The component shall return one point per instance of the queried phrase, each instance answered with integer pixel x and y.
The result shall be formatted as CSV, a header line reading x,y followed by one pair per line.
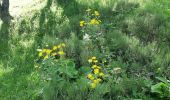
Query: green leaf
x,y
161,89
162,79
157,88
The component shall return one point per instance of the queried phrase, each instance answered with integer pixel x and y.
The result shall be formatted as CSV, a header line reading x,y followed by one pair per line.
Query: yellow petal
x,y
101,74
93,21
46,57
89,75
93,58
55,48
81,25
61,52
95,61
54,54
94,66
59,46
99,80
90,60
82,22
96,81
44,50
96,71
91,78
93,85
48,51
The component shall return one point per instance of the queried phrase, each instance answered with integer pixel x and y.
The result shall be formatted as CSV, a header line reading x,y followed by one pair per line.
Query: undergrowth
x,y
87,50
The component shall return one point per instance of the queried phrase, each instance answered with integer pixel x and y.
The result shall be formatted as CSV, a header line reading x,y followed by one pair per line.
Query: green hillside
x,y
85,50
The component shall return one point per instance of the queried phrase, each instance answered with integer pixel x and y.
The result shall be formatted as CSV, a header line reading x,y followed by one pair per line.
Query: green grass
x,y
18,78
137,35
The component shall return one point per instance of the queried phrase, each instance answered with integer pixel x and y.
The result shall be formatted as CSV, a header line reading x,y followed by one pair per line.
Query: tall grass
x,y
136,36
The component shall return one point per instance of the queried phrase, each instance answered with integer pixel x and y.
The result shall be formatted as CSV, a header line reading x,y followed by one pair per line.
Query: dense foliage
x,y
88,50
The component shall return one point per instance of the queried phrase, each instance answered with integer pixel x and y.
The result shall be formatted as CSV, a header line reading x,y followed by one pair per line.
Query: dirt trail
x,y
20,7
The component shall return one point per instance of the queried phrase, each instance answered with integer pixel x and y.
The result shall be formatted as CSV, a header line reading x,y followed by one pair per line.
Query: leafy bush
x,y
162,89
115,61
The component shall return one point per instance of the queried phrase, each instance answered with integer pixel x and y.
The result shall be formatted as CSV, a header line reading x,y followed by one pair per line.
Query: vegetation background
x,y
135,37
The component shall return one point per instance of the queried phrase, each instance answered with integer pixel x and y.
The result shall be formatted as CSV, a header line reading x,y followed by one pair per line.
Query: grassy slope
x,y
18,78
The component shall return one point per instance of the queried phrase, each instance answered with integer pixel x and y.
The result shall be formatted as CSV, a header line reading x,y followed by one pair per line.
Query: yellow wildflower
x,y
90,76
44,50
59,46
93,85
82,23
46,57
96,13
55,48
94,66
95,61
90,60
96,71
99,80
94,22
54,54
101,74
96,81
61,52
48,51
98,67
93,58
97,22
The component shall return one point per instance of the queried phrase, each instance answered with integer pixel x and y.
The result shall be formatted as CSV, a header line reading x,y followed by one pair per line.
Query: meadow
x,y
87,50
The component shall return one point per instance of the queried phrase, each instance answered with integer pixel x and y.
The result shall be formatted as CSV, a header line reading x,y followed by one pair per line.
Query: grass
x,y
17,69
51,24
18,78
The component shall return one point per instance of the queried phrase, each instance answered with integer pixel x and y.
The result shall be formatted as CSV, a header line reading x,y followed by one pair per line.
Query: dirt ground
x,y
19,7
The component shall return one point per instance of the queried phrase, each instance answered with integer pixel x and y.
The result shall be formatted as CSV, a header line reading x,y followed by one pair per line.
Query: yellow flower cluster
x,y
55,51
82,23
97,75
93,60
93,21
